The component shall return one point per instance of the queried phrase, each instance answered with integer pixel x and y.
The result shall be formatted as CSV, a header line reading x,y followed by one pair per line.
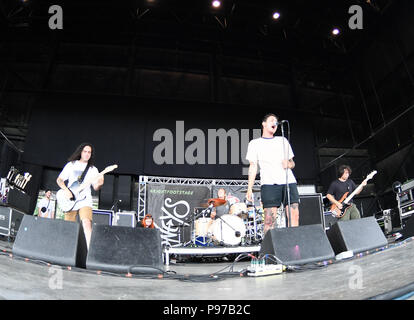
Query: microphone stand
x,y
287,172
235,231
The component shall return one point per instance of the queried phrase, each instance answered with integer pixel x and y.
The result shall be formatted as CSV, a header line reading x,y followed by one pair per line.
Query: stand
x,y
287,184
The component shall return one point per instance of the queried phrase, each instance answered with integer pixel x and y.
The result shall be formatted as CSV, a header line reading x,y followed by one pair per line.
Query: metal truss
x,y
145,180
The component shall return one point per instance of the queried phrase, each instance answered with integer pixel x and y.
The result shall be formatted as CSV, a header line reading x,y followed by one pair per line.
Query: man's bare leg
x,y
294,214
270,219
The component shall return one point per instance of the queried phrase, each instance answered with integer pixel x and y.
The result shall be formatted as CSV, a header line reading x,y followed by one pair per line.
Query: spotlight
x,y
335,31
216,3
276,15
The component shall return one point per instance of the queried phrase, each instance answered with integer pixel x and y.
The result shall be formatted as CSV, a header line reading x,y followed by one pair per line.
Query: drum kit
x,y
242,225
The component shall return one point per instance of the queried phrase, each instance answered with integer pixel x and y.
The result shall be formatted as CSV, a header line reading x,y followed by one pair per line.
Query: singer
x,y
80,167
274,156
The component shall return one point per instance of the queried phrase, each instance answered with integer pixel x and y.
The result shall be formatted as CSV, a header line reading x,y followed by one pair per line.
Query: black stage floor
x,y
375,275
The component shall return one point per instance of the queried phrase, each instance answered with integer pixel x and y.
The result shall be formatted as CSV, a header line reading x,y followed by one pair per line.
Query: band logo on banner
x,y
172,207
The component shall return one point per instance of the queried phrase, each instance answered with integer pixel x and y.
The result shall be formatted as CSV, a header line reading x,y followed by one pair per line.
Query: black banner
x,y
172,207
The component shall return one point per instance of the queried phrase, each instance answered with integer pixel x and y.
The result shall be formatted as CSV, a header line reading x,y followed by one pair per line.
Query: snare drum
x,y
230,231
201,226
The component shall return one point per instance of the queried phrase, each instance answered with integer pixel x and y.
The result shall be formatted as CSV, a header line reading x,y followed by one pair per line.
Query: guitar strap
x,y
82,177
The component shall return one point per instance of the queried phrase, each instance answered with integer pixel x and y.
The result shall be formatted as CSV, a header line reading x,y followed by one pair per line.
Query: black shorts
x,y
273,195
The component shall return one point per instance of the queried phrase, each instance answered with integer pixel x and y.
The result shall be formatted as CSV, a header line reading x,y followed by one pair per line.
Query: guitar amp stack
x,y
406,200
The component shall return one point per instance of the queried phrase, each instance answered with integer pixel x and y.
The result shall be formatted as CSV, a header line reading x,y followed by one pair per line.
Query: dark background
x,y
119,70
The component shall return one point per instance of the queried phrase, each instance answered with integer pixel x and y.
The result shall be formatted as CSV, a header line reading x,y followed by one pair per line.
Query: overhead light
x,y
216,3
276,15
336,31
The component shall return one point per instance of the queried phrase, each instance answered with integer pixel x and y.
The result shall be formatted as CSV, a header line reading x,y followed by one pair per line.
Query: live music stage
x,y
383,274
206,150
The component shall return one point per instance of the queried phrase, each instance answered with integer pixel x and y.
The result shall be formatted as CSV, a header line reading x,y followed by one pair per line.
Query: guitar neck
x,y
354,192
89,181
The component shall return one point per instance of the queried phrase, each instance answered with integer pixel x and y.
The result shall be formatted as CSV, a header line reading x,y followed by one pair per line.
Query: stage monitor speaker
x,y
54,241
408,230
297,245
357,235
311,210
122,249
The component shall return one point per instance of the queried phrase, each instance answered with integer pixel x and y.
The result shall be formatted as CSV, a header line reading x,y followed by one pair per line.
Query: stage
x,y
376,275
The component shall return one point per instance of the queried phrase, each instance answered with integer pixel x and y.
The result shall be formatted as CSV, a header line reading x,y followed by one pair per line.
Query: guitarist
x,y
339,187
80,167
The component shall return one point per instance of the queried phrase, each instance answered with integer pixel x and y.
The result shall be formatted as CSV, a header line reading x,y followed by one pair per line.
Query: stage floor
x,y
355,279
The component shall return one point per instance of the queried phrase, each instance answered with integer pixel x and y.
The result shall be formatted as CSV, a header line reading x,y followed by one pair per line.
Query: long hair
x,y
143,221
77,154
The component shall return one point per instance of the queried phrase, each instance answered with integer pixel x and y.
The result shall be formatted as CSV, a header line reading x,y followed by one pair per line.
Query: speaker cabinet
x,y
106,194
357,235
102,216
122,249
55,241
408,229
298,245
311,210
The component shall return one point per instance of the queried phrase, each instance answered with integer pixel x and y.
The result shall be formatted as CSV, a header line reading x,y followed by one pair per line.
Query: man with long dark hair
x,y
274,156
80,167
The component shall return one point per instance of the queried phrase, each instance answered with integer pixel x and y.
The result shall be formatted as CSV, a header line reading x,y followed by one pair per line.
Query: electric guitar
x,y
67,204
339,213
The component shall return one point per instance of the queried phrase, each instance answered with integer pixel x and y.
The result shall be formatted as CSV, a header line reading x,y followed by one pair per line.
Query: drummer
x,y
224,209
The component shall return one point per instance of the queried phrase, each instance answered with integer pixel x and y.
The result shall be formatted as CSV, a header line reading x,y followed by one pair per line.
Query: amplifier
x,y
407,209
102,217
17,199
405,196
125,218
408,185
10,220
311,209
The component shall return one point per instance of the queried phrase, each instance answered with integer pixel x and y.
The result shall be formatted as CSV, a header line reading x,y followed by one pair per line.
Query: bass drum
x,y
230,231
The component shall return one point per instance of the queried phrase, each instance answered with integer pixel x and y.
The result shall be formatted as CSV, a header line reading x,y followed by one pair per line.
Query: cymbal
x,y
216,202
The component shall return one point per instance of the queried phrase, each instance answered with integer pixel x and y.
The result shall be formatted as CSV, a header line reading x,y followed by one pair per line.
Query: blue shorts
x,y
273,195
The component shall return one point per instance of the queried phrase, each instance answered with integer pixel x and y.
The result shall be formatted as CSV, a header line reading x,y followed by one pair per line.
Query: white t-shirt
x,y
48,204
268,153
72,171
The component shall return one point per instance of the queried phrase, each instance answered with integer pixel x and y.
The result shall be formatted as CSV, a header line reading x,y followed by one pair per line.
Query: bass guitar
x,y
76,189
339,213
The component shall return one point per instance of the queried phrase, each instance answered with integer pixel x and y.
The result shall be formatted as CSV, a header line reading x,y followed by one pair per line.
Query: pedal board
x,y
265,270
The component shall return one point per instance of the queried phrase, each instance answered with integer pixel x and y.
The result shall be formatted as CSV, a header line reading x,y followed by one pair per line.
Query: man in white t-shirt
x,y
45,207
72,172
274,156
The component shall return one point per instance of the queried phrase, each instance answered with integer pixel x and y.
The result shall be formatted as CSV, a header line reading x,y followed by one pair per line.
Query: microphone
x,y
116,203
280,122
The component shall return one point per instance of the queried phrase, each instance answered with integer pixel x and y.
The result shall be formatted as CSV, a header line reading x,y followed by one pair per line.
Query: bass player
x,y
339,187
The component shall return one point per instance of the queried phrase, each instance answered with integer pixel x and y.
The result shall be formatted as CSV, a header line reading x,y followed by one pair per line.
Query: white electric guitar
x,y
67,204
